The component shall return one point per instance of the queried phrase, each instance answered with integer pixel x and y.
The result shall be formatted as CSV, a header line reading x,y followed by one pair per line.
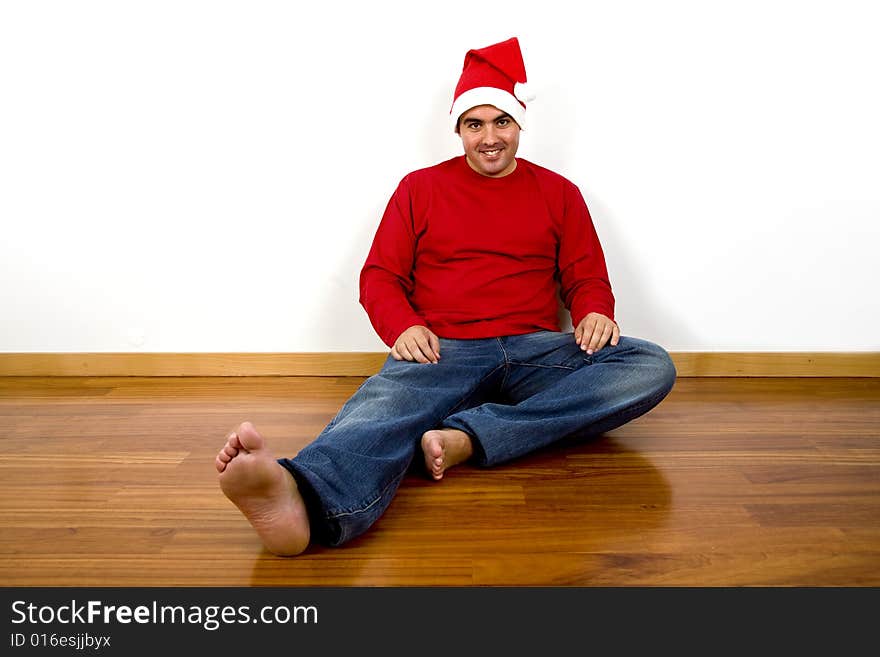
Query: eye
x,y
474,125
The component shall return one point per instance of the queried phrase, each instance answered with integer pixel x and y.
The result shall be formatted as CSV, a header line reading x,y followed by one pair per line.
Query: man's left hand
x,y
594,332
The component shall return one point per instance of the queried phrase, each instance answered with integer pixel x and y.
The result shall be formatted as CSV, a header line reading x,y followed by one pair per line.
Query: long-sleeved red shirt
x,y
471,256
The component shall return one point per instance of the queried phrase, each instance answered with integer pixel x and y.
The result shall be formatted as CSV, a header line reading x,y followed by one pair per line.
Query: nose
x,y
489,134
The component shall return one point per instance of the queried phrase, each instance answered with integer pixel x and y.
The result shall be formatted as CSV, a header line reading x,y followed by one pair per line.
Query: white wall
x,y
207,176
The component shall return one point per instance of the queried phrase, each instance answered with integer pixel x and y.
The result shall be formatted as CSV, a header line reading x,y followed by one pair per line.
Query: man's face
x,y
490,138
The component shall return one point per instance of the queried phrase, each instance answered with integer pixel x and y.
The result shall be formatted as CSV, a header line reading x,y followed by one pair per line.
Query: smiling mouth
x,y
491,153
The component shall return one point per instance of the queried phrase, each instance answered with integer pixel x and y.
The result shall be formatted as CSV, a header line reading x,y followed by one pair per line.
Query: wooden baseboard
x,y
775,363
733,364
191,364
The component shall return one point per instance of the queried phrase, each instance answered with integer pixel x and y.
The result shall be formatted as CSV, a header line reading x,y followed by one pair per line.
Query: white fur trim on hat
x,y
524,92
487,96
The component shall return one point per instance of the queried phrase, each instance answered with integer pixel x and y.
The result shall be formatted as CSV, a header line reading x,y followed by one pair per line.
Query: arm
x,y
386,283
585,288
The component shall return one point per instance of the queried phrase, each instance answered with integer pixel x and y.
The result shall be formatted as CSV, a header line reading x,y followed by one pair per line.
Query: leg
x,y
349,475
559,391
263,492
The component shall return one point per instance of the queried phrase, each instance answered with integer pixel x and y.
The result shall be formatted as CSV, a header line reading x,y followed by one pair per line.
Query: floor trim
x,y
763,364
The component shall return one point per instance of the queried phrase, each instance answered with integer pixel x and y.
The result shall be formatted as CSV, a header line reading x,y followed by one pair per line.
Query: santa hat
x,y
494,75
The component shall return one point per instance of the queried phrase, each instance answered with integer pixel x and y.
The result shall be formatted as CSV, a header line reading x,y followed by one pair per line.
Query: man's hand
x,y
417,343
594,331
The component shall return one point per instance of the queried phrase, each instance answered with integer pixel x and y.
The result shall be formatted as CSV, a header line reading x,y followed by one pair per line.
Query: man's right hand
x,y
417,343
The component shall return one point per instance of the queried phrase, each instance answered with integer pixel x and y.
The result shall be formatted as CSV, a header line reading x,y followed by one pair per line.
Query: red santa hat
x,y
494,75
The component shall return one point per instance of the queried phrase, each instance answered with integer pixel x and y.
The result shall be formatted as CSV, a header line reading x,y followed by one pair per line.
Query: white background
x,y
207,176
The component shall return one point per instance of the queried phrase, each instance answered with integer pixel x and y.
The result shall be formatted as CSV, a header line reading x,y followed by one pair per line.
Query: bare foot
x,y
444,448
263,491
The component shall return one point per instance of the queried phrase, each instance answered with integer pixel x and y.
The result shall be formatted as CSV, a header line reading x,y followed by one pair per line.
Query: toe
x,y
248,437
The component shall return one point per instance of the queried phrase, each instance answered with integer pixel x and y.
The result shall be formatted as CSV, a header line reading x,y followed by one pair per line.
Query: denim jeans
x,y
512,395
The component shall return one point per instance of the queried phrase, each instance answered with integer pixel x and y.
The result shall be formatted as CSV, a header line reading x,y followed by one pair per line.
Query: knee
x,y
660,369
666,373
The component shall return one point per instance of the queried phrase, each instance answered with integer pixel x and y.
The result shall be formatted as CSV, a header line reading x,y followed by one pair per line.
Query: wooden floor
x,y
110,482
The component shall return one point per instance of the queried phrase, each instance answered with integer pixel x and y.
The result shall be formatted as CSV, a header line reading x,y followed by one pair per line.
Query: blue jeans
x,y
512,395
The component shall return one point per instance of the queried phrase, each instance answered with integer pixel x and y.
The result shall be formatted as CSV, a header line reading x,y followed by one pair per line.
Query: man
x,y
462,282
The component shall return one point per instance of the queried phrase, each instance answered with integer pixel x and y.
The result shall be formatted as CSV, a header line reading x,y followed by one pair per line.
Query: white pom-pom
x,y
523,92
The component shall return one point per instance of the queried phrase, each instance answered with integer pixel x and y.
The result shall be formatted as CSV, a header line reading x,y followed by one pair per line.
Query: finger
x,y
615,336
395,354
588,328
405,352
578,332
425,350
434,341
415,351
595,337
603,339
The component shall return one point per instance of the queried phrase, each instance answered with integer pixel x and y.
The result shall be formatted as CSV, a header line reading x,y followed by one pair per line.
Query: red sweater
x,y
470,256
